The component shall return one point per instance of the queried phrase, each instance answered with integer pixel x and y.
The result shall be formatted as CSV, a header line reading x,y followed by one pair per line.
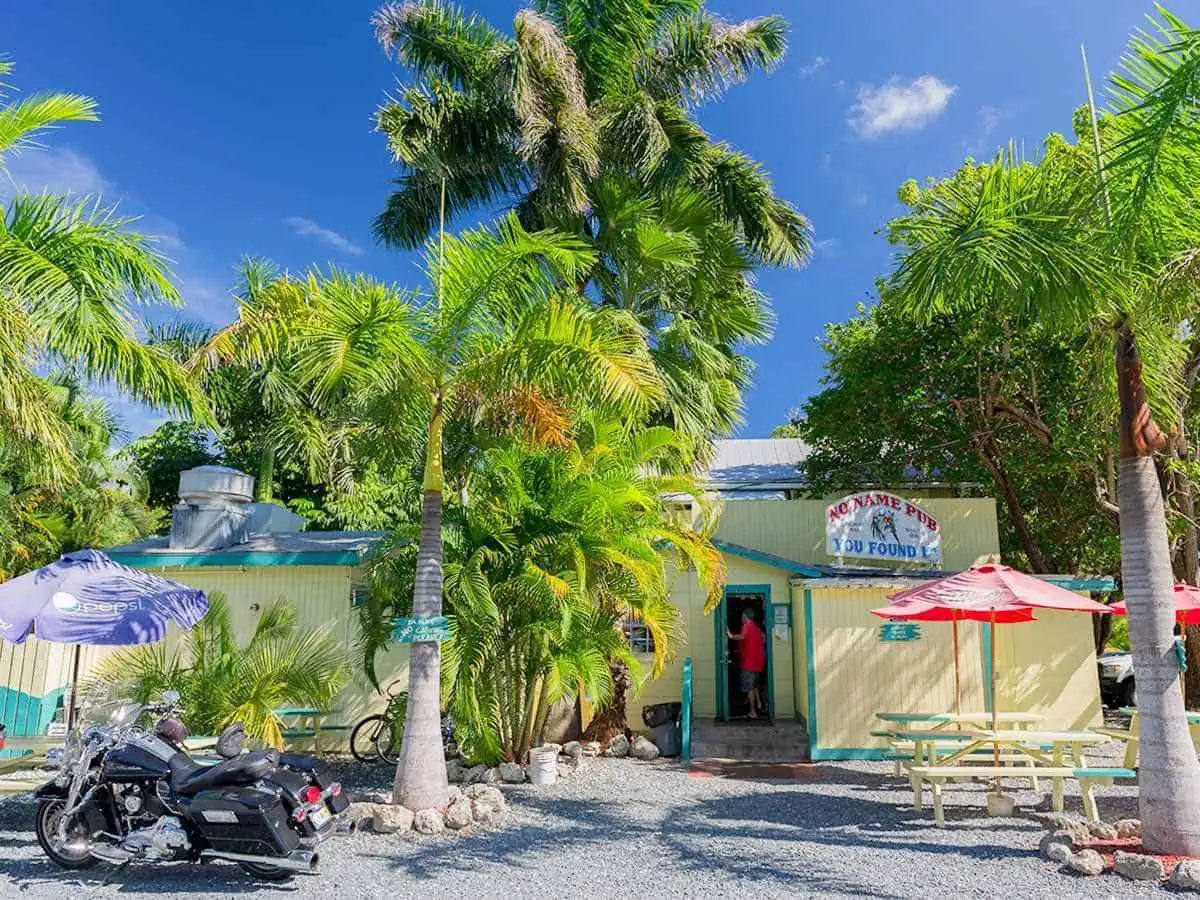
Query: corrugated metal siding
x,y
857,675
795,529
1049,667
35,680
321,595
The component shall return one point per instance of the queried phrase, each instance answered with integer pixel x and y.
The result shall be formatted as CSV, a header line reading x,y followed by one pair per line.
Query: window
x,y
639,636
358,595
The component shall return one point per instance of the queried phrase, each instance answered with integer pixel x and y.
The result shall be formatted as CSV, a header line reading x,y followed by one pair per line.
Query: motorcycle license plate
x,y
320,817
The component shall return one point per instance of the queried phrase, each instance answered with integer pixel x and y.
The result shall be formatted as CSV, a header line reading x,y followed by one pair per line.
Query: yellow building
x,y
828,669
798,564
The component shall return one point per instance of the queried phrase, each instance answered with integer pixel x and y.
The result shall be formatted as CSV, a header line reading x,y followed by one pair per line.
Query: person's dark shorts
x,y
748,681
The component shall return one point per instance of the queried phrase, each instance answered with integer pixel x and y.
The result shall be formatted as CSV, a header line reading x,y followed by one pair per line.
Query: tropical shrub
x,y
221,681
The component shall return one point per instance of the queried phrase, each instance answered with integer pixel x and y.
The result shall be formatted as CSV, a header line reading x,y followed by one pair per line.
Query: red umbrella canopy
x,y
1187,605
984,592
919,611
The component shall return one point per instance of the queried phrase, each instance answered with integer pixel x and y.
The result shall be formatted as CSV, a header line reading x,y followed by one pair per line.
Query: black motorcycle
x,y
125,793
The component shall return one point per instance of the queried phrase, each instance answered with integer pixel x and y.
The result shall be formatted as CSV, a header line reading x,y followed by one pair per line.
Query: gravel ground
x,y
624,828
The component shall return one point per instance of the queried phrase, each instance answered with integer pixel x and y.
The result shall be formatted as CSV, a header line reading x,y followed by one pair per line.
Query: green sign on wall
x,y
900,631
412,631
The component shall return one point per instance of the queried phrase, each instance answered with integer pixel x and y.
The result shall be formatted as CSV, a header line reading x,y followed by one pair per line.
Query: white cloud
x,y
826,246
811,68
988,120
308,228
59,171
859,198
896,107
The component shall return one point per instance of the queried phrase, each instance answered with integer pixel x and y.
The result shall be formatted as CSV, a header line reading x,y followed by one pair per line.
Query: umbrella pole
x,y
995,719
74,689
957,688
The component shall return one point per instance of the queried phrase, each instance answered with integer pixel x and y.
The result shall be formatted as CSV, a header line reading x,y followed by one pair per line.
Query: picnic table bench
x,y
1044,755
1132,739
301,722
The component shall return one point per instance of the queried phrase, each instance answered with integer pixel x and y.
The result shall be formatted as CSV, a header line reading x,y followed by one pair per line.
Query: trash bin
x,y
663,720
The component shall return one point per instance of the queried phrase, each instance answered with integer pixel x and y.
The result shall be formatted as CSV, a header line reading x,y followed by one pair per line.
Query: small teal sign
x,y
900,631
415,631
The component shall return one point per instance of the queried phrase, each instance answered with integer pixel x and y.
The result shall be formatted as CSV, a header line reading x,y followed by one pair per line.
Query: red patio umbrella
x,y
989,593
1187,605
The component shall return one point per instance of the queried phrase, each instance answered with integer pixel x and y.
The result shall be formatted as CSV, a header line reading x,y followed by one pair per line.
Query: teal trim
x,y
847,753
237,558
721,662
686,712
768,559
722,623
1074,583
812,676
1105,773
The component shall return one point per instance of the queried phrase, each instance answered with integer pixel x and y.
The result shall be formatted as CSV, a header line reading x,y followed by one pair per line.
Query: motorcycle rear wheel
x,y
77,852
267,873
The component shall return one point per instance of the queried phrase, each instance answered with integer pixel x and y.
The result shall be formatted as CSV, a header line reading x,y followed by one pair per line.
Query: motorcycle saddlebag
x,y
243,820
317,771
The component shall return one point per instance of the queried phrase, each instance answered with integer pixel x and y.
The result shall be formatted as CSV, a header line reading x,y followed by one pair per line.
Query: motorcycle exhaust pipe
x,y
345,827
302,861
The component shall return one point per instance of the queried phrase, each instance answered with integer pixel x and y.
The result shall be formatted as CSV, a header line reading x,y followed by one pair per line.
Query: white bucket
x,y
543,766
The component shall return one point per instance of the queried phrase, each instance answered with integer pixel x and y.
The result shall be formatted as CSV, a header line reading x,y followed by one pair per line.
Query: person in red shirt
x,y
752,659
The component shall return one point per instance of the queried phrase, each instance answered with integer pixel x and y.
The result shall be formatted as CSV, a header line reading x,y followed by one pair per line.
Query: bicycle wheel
x,y
387,744
365,737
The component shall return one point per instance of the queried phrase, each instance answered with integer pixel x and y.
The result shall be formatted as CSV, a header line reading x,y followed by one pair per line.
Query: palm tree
x,y
71,273
1043,241
496,342
582,121
557,548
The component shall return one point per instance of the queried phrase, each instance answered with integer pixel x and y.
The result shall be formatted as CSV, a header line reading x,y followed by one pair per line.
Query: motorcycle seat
x,y
190,777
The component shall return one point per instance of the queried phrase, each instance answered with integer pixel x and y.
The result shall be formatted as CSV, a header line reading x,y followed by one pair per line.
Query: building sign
x,y
900,631
875,525
413,631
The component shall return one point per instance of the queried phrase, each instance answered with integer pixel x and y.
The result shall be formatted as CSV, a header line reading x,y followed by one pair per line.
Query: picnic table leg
x,y
1057,793
1086,790
939,816
1131,752
915,780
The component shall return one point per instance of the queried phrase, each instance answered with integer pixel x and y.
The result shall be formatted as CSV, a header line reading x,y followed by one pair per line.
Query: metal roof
x,y
757,464
299,548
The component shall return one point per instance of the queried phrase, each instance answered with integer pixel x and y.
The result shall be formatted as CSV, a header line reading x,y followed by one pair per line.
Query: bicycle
x,y
377,737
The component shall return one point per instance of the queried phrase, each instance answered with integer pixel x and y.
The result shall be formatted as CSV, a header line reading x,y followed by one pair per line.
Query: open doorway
x,y
739,601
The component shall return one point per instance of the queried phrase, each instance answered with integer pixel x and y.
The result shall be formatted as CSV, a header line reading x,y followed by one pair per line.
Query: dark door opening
x,y
736,603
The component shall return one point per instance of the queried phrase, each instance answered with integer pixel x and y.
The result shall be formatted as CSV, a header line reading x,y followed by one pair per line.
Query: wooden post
x,y
71,715
995,698
957,686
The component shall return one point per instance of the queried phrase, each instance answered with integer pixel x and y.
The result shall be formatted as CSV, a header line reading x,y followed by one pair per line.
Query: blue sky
x,y
240,128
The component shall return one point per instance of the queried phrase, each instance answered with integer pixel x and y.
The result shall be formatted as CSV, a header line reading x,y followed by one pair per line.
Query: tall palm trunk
x,y
421,770
1169,789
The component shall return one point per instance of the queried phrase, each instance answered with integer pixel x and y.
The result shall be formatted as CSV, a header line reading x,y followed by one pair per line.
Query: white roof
x,y
765,463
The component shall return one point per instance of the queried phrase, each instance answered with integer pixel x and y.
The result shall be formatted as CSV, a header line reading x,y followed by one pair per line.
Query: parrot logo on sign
x,y
883,526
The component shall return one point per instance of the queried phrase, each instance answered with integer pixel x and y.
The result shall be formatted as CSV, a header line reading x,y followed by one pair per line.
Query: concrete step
x,y
785,741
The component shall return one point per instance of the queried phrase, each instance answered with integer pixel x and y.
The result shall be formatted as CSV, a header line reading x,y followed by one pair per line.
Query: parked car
x,y
1117,687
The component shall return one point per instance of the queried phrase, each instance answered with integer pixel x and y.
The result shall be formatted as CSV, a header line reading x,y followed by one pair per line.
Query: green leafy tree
x,y
1006,405
1088,246
222,681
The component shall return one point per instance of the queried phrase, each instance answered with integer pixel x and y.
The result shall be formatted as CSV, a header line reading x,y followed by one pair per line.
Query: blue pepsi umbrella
x,y
86,598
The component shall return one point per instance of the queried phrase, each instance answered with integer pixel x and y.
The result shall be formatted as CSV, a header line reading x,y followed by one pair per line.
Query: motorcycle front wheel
x,y
76,853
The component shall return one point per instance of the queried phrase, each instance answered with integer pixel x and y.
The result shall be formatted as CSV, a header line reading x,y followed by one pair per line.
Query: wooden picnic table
x,y
306,722
1056,755
1131,735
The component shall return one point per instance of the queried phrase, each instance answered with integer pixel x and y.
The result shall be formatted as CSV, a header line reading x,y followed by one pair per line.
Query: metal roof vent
x,y
213,509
